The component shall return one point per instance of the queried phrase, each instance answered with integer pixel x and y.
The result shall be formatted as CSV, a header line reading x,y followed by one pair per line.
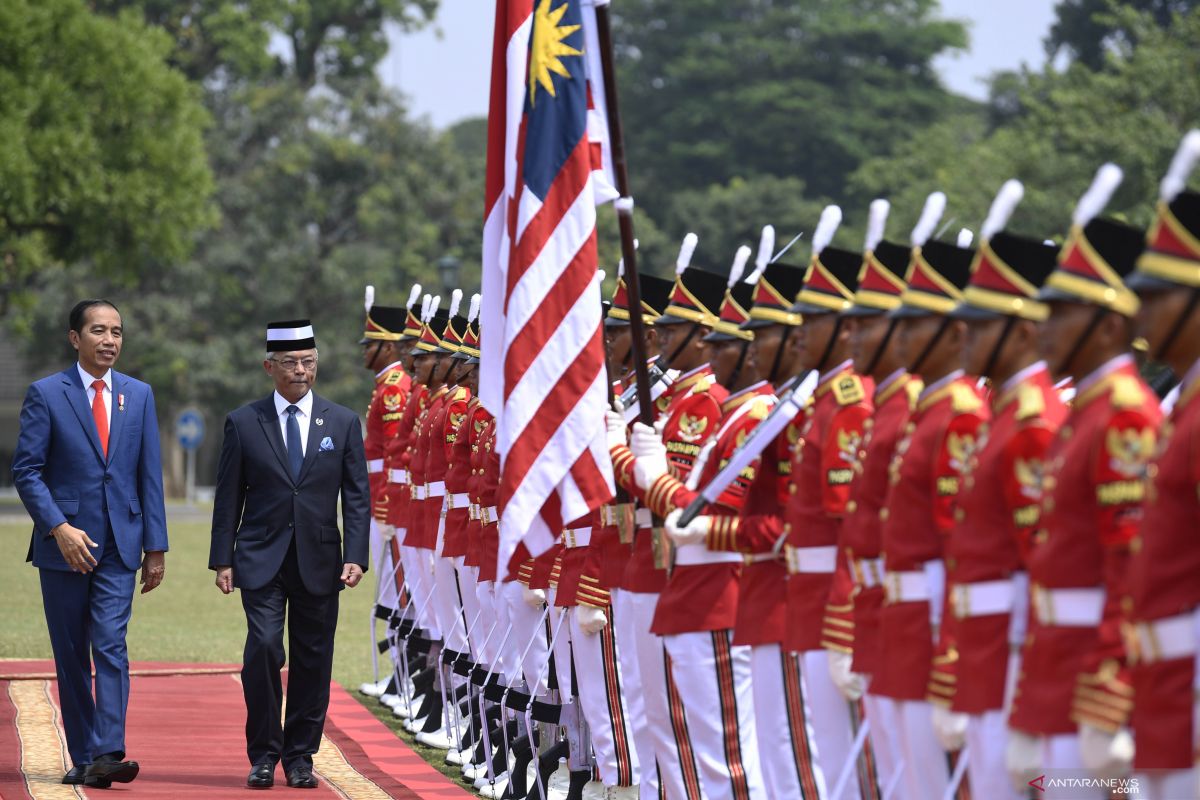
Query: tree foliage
x,y
1088,30
101,146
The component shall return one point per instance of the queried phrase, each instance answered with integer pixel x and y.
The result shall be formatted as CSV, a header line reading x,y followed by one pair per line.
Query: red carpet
x,y
185,728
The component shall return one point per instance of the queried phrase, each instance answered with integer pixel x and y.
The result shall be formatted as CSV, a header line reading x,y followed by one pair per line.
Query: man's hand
x,y
351,574
696,531
225,579
591,619
154,567
73,544
387,532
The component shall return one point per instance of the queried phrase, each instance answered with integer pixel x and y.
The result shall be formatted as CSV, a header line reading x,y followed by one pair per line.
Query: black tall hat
x,y
1099,253
696,294
1172,256
829,286
654,291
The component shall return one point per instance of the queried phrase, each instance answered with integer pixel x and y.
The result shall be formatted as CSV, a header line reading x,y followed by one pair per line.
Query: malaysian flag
x,y
542,366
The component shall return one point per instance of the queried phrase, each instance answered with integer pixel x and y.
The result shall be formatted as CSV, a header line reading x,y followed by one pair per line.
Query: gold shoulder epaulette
x,y
1030,402
913,388
460,393
759,409
1127,392
393,377
848,390
704,384
963,400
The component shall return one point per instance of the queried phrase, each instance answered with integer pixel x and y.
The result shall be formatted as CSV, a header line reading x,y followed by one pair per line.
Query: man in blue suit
x,y
286,460
88,471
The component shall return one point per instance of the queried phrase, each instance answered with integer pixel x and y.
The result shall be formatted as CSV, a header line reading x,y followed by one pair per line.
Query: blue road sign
x,y
189,429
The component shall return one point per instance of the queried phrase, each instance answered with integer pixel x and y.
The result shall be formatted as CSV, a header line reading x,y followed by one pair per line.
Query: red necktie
x,y
100,413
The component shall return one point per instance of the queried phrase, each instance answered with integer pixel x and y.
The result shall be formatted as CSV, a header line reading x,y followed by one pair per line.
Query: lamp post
x,y
448,269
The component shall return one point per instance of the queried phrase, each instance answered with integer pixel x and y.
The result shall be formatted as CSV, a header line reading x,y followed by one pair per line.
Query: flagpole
x,y
624,206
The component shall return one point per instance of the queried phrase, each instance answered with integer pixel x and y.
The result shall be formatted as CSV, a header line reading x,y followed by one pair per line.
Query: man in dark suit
x,y
285,461
88,471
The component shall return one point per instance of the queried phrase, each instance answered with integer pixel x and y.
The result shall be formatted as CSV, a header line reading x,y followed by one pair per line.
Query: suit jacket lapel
x,y
319,409
77,398
116,419
270,423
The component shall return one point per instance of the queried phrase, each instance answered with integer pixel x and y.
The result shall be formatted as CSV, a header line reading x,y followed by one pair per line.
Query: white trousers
x,y
624,619
714,682
447,607
666,717
476,626
783,717
602,696
835,724
926,770
491,627
418,571
528,636
1061,752
1166,783
885,720
987,738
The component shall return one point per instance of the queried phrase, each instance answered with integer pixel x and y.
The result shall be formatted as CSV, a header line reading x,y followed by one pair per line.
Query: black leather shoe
x,y
75,774
302,778
109,769
261,777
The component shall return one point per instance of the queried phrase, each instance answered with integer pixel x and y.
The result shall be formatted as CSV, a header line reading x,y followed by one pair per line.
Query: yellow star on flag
x,y
546,47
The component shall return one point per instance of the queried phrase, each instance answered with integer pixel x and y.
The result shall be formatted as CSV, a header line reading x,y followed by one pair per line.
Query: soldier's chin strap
x,y
1177,328
449,369
686,341
837,327
737,370
883,346
787,331
991,362
916,365
375,355
1097,315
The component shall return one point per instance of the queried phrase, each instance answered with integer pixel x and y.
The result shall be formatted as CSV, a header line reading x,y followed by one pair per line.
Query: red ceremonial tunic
x,y
418,458
823,457
458,482
388,398
860,534
1164,582
1094,486
924,478
692,413
998,512
398,460
703,596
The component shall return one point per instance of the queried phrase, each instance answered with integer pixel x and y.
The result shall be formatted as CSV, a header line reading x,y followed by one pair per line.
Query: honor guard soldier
x,y
697,609
925,476
876,352
826,440
1001,498
691,417
382,331
1073,695
1165,567
781,716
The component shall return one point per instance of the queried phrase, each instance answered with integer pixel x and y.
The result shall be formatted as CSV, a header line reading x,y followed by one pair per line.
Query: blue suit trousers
x,y
87,616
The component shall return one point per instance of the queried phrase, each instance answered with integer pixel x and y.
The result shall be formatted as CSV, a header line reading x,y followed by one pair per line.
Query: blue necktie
x,y
294,448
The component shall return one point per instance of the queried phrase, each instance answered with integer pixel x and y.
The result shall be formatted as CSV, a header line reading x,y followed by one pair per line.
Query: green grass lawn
x,y
186,618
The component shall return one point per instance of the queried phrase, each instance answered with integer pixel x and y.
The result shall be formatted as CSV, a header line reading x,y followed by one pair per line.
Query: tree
x,y
1133,111
714,90
101,147
1087,30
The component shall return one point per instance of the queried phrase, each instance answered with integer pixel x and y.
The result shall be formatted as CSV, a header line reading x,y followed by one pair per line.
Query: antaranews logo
x,y
1066,787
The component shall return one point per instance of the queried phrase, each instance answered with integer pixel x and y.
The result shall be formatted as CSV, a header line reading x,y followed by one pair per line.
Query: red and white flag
x,y
542,371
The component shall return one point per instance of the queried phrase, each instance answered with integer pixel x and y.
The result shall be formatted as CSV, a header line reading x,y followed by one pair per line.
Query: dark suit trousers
x,y
311,622
87,616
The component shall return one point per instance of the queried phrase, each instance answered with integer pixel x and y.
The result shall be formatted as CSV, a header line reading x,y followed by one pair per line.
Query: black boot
x,y
579,779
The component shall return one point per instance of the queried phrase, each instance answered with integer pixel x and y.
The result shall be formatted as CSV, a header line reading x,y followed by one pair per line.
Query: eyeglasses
x,y
290,363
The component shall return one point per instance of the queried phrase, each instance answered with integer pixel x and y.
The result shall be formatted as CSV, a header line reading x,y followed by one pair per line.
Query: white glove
x,y
614,425
591,619
651,455
1106,755
696,531
534,598
1022,759
848,682
387,532
950,727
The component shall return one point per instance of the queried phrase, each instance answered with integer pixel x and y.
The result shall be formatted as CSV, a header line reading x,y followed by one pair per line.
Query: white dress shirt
x,y
88,380
303,417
